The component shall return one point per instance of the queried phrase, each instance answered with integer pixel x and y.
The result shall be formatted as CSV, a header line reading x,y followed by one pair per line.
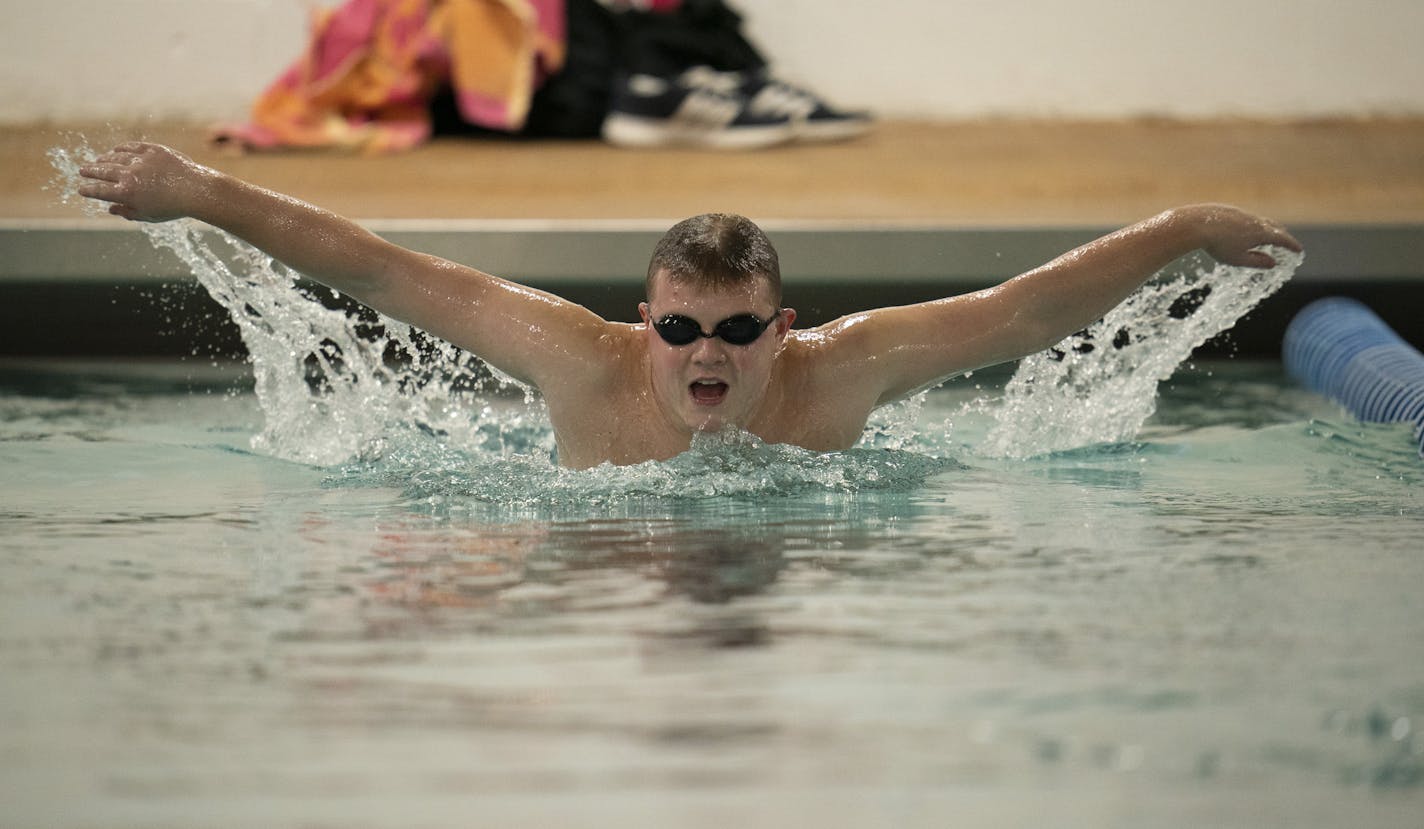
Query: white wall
x,y
207,59
1104,57
117,59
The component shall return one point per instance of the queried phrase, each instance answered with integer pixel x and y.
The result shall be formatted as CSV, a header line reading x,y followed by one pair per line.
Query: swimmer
x,y
715,348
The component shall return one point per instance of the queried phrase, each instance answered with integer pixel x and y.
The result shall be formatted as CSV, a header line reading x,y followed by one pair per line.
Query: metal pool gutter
x,y
105,250
62,279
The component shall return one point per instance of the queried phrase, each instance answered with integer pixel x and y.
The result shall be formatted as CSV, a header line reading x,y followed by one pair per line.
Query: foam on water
x,y
384,405
718,465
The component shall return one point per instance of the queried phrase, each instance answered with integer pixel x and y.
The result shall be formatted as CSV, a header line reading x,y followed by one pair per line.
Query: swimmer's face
x,y
710,384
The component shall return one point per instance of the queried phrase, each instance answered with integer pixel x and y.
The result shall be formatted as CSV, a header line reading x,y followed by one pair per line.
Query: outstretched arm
x,y
907,348
526,333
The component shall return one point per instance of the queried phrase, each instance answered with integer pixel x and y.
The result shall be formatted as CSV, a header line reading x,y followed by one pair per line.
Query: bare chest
x,y
621,429
629,428
618,419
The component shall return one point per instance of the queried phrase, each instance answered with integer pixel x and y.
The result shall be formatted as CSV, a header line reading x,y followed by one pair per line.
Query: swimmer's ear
x,y
784,322
643,311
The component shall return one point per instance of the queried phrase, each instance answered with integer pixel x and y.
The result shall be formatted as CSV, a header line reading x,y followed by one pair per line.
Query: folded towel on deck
x,y
371,67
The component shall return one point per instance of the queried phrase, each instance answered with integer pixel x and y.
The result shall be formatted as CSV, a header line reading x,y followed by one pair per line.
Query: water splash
x,y
731,464
1100,386
896,426
66,162
335,384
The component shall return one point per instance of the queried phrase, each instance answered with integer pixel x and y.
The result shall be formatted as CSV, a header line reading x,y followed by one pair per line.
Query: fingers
x,y
101,172
103,181
108,176
1277,235
123,155
108,182
126,152
130,151
1258,259
110,166
103,191
1287,241
123,176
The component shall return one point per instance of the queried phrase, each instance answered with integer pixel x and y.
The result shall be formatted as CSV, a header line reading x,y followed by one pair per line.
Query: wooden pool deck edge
x,y
990,173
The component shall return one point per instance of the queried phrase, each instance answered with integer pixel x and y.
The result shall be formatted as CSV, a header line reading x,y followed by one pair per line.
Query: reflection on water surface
x,y
1215,620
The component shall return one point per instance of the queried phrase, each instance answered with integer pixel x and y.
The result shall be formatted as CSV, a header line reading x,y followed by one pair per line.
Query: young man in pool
x,y
715,348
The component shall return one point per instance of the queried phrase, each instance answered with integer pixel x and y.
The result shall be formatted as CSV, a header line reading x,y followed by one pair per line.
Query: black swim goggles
x,y
741,329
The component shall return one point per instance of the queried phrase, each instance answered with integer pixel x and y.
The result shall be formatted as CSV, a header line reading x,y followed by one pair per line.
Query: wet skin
x,y
710,384
809,387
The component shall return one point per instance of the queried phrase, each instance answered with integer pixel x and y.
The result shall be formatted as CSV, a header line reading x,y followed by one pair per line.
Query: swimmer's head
x,y
714,270
716,251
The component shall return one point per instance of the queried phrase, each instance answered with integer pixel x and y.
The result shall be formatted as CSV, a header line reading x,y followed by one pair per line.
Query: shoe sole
x,y
646,133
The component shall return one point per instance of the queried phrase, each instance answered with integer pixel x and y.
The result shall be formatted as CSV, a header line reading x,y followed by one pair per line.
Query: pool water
x,y
1214,622
357,591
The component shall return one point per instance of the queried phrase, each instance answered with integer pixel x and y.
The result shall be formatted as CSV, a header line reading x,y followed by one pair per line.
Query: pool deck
x,y
972,174
937,206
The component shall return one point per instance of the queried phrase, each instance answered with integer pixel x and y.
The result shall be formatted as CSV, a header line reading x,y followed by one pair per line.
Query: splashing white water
x,y
66,162
1100,386
334,385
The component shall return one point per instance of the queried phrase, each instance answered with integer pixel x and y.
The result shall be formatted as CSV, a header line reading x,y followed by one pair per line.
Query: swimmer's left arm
x,y
908,348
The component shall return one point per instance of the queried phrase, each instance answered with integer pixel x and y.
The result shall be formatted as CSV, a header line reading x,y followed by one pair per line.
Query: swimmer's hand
x,y
147,182
1233,236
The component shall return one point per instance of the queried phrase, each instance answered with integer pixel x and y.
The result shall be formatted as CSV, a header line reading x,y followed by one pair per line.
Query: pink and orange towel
x,y
371,67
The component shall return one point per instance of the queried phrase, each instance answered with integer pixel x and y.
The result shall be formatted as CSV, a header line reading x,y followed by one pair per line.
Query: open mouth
x,y
707,392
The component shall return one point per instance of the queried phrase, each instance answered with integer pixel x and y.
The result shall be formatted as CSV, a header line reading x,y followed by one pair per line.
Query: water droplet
x,y
1400,729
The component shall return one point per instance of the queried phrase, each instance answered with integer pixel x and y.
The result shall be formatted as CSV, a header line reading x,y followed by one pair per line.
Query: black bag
x,y
699,33
603,45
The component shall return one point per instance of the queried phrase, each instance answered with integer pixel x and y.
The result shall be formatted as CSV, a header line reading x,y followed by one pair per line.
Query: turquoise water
x,y
1214,623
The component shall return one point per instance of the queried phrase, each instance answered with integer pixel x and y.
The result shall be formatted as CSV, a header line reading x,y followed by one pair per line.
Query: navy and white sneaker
x,y
649,111
812,118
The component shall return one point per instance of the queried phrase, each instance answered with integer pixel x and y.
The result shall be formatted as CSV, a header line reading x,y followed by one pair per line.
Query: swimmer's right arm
x,y
523,332
152,183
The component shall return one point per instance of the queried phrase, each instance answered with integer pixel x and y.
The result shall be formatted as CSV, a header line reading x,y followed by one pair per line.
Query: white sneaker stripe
x,y
704,108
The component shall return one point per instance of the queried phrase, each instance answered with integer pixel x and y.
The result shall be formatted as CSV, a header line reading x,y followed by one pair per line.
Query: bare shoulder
x,y
820,349
610,359
832,359
887,353
841,345
823,392
599,403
